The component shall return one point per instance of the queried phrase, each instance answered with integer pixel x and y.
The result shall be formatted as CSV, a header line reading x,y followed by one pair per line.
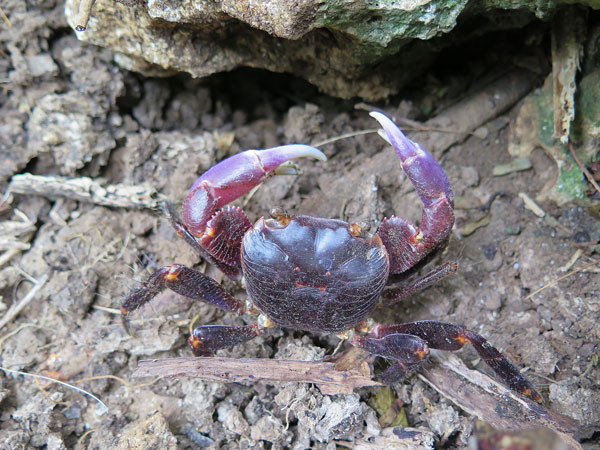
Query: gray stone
x,y
152,432
66,131
333,44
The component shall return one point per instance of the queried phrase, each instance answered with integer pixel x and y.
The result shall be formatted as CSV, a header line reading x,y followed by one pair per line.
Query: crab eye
x,y
279,218
274,223
360,230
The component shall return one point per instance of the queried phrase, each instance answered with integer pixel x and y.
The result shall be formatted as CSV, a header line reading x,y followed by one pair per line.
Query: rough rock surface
x,y
343,47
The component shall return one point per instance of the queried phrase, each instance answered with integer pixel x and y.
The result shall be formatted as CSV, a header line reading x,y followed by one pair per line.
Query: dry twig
x,y
83,11
5,18
345,136
14,235
8,255
233,370
85,189
586,172
478,394
569,31
472,112
567,275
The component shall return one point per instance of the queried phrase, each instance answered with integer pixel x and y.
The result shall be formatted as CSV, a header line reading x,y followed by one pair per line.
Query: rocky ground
x,y
525,282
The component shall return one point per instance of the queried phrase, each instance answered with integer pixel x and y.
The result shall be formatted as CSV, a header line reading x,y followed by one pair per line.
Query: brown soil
x,y
68,110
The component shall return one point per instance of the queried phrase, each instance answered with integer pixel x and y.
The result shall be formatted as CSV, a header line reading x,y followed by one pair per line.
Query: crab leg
x,y
220,229
405,289
405,350
441,336
207,339
232,271
407,244
185,281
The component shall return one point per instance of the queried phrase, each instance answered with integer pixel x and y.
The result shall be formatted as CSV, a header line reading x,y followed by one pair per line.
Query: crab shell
x,y
313,274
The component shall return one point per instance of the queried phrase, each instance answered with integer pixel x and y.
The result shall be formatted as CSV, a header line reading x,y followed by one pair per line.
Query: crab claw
x,y
424,171
407,244
234,177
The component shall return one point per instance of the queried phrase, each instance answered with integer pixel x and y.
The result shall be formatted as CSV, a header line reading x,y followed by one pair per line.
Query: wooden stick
x,y
83,12
85,189
480,395
233,370
472,112
586,172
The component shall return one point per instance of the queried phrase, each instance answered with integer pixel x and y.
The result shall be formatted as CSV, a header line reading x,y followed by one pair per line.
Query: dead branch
x,y
586,172
87,190
556,280
478,394
232,370
459,121
83,11
14,235
398,438
5,18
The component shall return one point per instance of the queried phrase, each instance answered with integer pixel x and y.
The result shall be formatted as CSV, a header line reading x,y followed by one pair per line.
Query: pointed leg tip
x,y
195,344
125,321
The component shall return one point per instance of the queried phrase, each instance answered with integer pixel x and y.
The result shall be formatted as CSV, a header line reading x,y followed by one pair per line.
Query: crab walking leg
x,y
405,350
207,339
184,281
450,337
406,243
412,286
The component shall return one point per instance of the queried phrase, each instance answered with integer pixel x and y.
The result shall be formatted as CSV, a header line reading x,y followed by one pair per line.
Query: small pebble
x,y
72,413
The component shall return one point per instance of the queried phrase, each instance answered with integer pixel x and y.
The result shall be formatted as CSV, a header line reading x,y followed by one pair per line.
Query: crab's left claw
x,y
235,177
406,243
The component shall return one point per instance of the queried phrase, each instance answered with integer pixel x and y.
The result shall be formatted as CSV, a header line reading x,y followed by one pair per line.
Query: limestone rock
x,y
343,47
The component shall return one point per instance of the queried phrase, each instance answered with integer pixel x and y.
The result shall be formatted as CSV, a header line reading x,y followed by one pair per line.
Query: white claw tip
x,y
312,152
375,114
391,133
293,151
383,120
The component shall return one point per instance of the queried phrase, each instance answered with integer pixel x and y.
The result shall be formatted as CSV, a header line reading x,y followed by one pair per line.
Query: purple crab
x,y
315,274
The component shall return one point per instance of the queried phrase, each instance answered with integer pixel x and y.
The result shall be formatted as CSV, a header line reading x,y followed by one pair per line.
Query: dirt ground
x,y
69,110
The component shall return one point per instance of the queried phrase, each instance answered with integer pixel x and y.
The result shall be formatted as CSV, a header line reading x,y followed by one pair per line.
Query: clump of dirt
x,y
69,110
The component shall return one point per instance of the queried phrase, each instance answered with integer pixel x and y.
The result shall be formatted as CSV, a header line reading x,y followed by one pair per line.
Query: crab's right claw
x,y
236,176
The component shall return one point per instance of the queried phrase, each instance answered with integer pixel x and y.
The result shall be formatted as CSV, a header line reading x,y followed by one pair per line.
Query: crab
x,y
317,274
